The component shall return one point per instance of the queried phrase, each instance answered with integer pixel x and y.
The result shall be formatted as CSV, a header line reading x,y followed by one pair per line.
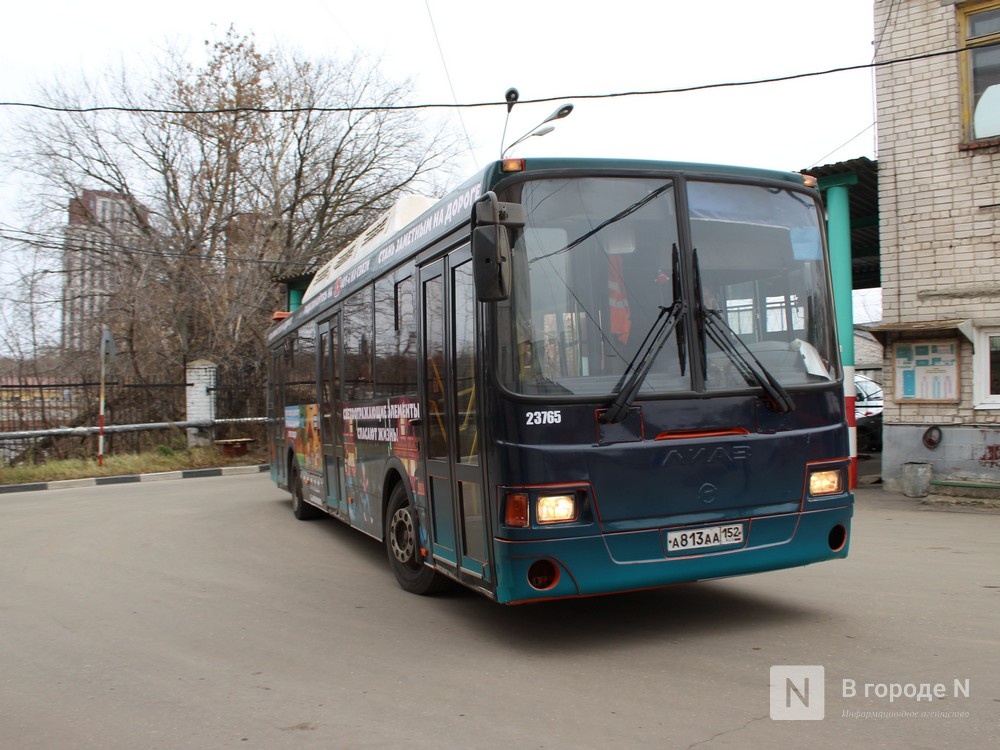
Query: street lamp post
x,y
540,129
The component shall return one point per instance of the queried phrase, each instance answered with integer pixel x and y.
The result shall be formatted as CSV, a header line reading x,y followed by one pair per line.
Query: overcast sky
x,y
468,51
546,48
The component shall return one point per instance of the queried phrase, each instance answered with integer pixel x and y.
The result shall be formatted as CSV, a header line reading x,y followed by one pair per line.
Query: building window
x,y
980,29
986,369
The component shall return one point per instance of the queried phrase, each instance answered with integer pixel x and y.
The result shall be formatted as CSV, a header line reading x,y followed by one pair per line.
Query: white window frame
x,y
982,398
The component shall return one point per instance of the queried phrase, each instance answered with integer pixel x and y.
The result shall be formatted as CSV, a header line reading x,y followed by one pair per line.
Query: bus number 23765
x,y
543,417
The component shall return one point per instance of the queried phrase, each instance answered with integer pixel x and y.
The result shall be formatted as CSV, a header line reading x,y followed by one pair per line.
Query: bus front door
x,y
460,525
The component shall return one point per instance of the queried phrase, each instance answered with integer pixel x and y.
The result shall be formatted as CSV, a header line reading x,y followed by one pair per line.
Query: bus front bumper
x,y
607,563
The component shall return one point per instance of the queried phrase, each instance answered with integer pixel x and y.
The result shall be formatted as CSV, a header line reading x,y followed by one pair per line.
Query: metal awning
x,y
964,326
861,175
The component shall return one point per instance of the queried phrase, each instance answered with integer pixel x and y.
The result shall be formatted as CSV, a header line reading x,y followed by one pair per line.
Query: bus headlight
x,y
826,482
555,508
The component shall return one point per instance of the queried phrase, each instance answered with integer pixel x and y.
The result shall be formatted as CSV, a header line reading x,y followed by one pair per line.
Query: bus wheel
x,y
300,508
402,544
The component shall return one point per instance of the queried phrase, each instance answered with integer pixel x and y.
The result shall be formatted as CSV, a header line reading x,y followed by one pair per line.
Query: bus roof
x,y
405,210
629,165
383,243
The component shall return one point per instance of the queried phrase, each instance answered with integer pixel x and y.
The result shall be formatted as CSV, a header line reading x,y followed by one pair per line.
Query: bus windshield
x,y
600,260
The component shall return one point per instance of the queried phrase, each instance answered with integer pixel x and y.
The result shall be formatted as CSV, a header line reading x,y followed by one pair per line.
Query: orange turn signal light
x,y
516,510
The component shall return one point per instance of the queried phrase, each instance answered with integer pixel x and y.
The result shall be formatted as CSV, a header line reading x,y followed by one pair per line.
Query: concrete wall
x,y
965,453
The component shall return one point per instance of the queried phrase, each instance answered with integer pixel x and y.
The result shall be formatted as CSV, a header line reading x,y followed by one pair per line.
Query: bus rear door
x,y
331,415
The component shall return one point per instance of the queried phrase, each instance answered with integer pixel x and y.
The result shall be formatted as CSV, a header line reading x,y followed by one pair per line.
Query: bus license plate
x,y
705,538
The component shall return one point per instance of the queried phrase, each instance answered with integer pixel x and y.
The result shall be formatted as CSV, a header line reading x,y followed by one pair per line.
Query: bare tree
x,y
255,165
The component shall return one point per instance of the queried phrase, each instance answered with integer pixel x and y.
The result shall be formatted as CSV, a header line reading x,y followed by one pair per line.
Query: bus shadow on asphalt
x,y
682,612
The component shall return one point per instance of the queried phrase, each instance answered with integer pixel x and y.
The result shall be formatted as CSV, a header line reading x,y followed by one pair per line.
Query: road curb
x,y
67,484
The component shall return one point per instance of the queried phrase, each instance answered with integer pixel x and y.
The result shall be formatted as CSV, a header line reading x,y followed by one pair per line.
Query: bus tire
x,y
402,545
300,508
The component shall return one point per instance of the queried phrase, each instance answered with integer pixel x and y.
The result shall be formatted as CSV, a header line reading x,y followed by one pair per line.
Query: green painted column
x,y
838,226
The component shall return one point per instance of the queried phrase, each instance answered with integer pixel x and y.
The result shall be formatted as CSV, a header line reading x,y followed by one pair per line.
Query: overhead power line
x,y
451,86
43,241
474,105
844,144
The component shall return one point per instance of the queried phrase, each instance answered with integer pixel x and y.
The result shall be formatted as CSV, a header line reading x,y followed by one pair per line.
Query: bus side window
x,y
301,383
358,313
395,337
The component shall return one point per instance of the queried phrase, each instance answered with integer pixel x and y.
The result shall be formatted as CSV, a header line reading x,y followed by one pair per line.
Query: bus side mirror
x,y
491,262
491,246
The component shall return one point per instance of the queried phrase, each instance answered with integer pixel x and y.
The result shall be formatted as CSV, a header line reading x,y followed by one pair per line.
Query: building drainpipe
x,y
838,222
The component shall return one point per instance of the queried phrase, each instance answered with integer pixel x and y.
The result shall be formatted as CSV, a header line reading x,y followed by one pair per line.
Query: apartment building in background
x,y
101,224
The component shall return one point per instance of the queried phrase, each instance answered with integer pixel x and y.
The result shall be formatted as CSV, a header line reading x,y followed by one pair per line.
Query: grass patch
x,y
142,463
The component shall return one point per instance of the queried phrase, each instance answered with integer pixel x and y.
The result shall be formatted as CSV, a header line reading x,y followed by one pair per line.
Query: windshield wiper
x,y
731,345
632,379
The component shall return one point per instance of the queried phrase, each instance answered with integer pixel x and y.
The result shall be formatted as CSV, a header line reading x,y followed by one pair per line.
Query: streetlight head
x,y
562,112
559,114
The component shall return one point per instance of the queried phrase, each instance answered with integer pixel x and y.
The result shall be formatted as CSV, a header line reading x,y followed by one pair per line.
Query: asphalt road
x,y
200,614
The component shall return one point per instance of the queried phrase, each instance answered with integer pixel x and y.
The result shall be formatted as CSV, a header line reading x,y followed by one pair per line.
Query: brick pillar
x,y
200,399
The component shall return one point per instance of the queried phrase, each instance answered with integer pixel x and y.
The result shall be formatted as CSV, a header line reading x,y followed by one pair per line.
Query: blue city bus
x,y
573,377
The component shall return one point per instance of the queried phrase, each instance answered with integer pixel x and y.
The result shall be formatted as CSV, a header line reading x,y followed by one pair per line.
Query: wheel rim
x,y
402,537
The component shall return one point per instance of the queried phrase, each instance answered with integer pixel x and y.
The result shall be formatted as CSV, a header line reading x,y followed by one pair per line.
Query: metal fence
x,y
30,404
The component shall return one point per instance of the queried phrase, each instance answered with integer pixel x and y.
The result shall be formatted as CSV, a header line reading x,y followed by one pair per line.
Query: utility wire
x,y
876,46
451,86
41,241
474,105
849,140
885,26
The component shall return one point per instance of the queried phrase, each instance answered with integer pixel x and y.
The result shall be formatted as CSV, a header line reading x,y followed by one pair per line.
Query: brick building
x,y
939,206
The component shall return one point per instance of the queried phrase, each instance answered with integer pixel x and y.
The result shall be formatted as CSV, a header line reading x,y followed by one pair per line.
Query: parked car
x,y
868,413
868,398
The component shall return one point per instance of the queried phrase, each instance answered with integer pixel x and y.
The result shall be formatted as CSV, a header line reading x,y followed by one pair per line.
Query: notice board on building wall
x,y
926,371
